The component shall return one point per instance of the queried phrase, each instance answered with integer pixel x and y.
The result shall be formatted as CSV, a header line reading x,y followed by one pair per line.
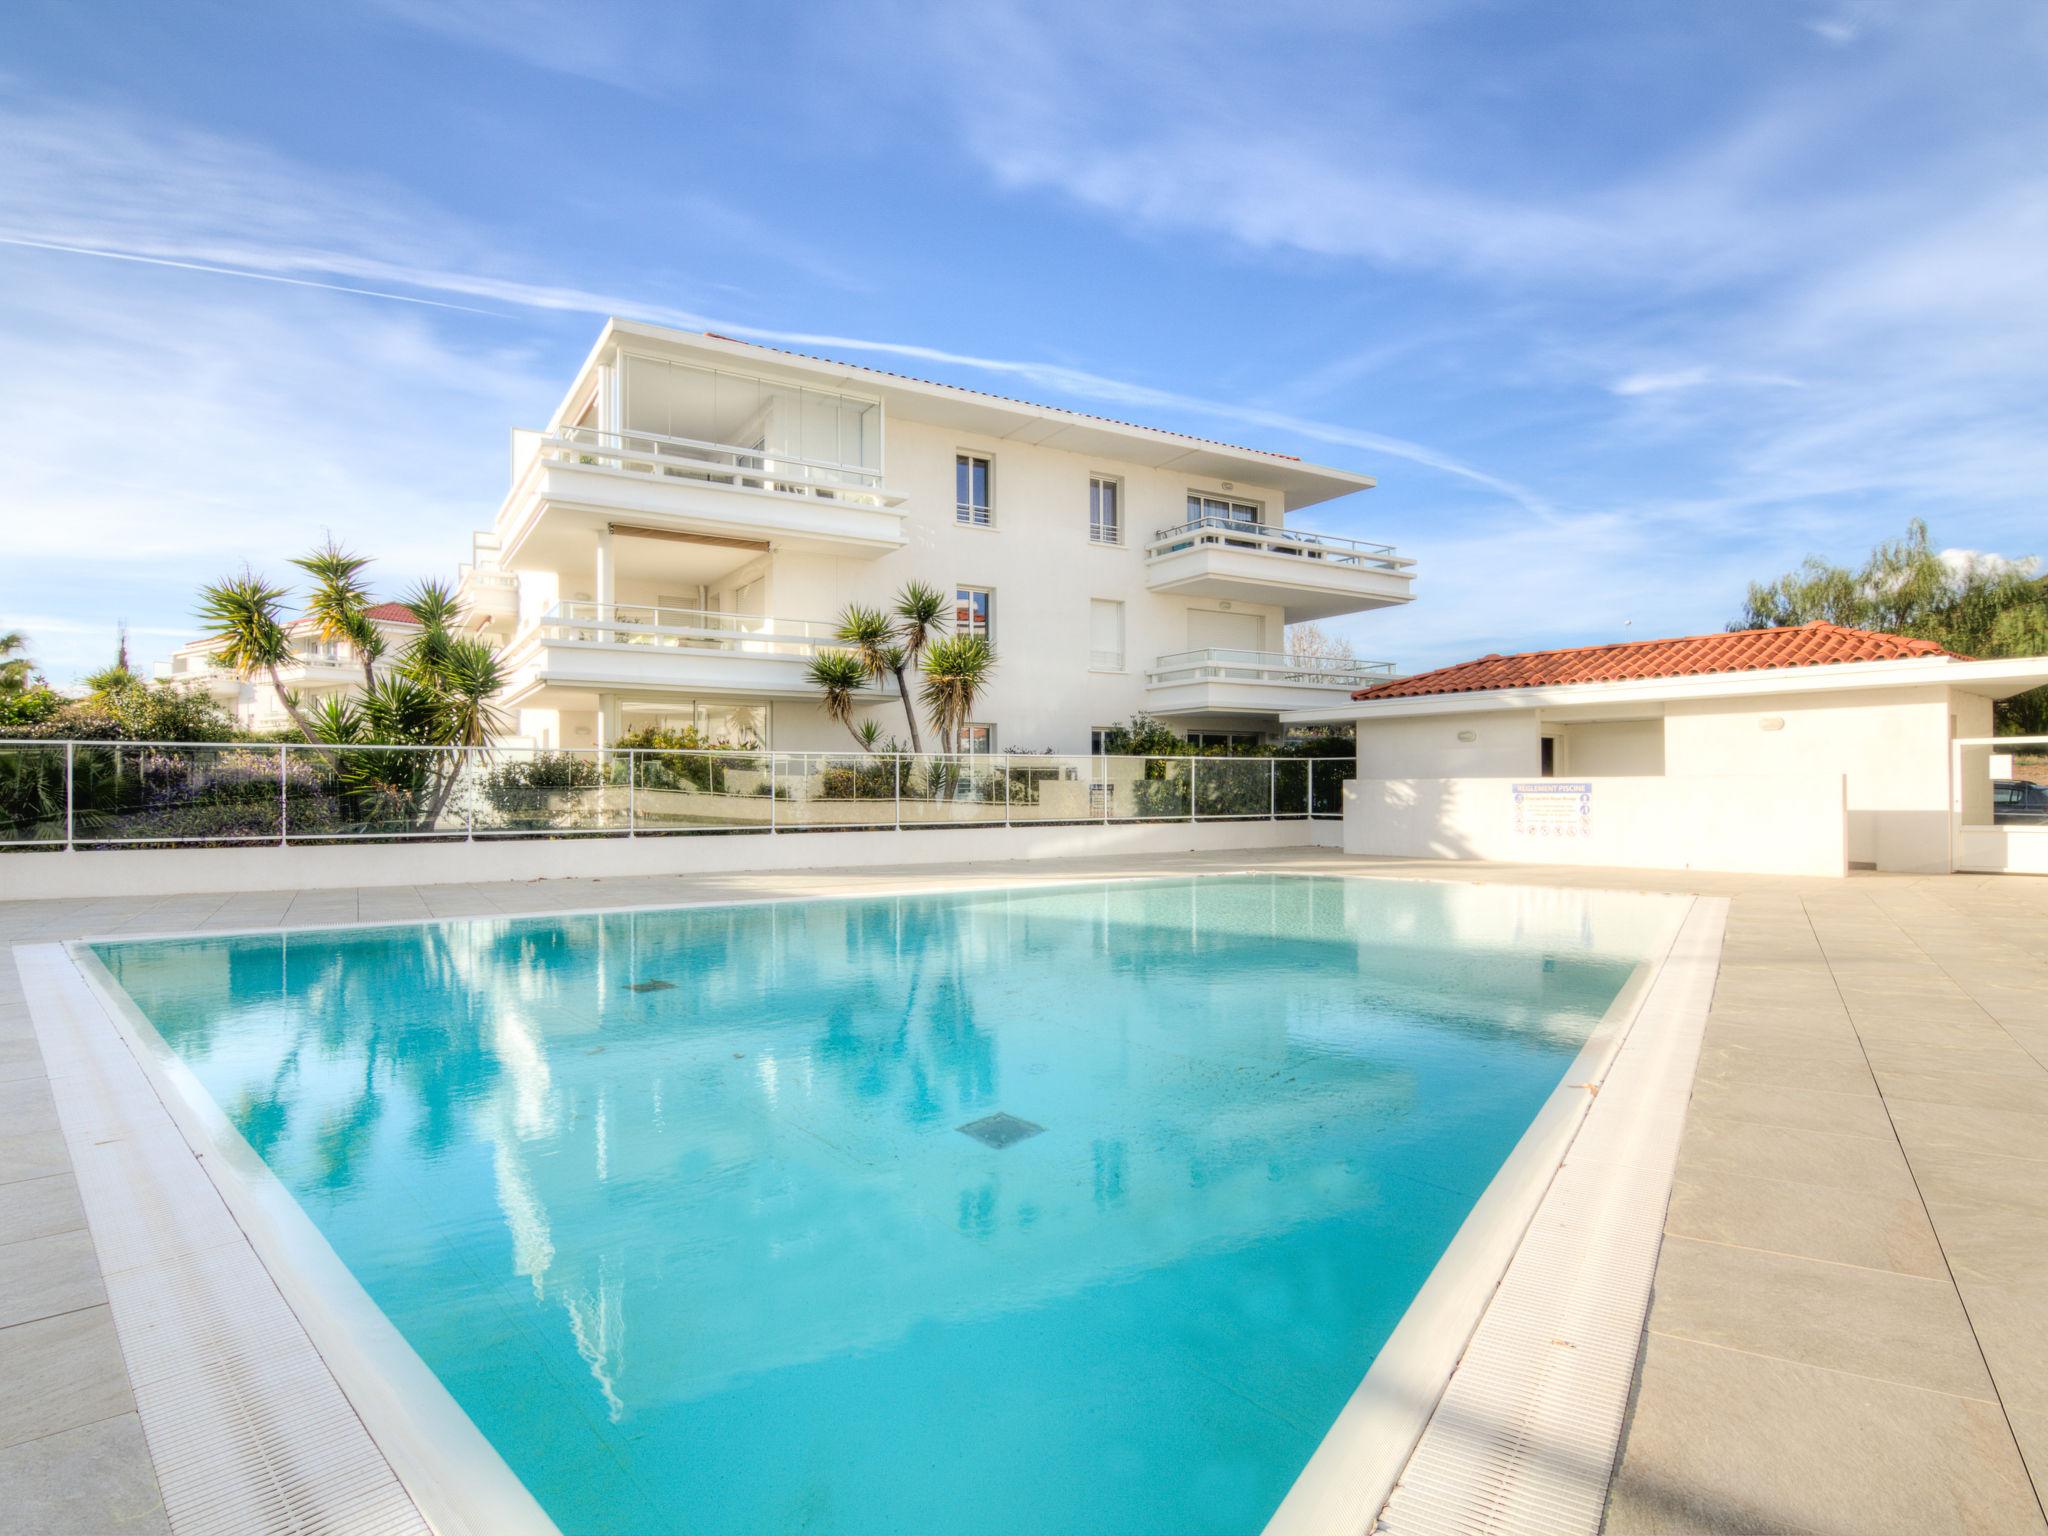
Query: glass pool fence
x,y
104,794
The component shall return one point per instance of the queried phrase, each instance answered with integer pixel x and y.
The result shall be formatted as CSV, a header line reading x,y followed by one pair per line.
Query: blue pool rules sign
x,y
1553,808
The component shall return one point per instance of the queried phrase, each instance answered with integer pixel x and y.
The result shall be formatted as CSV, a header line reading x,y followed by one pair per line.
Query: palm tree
x,y
839,675
15,666
242,613
920,612
340,604
433,604
956,669
872,636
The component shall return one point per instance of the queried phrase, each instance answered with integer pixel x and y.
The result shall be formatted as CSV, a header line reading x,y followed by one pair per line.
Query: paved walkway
x,y
1850,1326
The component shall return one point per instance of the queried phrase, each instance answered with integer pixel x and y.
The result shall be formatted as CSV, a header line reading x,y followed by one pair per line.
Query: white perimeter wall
x,y
175,871
1789,825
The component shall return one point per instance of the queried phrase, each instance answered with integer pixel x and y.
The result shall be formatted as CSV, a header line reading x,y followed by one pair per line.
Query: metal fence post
x,y
771,790
284,799
898,760
632,781
1309,809
1006,789
1272,789
1194,802
70,807
469,800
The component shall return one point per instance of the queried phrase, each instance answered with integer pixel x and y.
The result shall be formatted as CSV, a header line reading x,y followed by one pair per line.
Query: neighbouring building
x,y
1797,750
319,670
679,539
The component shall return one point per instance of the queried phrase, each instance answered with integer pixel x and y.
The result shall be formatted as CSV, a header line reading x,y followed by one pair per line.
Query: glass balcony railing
x,y
647,624
1213,665
1263,538
726,464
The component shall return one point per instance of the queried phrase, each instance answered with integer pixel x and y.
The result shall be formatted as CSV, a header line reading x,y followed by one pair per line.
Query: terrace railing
x,y
1263,538
86,795
1214,665
728,464
684,629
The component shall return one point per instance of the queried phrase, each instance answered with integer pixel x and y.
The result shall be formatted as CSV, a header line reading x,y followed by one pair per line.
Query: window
x,y
1224,738
974,612
970,490
977,740
1105,510
1098,739
1221,508
1105,635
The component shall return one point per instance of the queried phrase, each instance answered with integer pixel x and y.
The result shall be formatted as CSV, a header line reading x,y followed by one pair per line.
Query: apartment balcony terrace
x,y
1218,681
573,478
1310,575
586,648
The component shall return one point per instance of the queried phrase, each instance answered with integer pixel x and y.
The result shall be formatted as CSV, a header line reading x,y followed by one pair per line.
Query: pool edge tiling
x,y
414,1473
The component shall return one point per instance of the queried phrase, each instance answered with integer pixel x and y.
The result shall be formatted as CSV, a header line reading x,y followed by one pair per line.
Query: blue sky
x,y
1624,303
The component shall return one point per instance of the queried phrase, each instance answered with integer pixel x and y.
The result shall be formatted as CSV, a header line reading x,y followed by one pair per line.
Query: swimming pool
x,y
1056,1209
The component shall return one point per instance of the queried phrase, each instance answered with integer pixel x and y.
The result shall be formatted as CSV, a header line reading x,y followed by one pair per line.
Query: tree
x,y
243,614
1974,605
1311,639
871,636
16,670
839,675
956,669
339,604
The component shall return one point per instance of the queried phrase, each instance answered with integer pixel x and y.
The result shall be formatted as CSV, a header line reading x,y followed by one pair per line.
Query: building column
x,y
606,582
607,719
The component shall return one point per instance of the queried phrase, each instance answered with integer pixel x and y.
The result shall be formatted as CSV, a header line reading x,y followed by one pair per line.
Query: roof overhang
x,y
985,415
1991,679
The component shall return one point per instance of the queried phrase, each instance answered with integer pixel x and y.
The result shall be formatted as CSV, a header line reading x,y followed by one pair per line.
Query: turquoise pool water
x,y
677,1205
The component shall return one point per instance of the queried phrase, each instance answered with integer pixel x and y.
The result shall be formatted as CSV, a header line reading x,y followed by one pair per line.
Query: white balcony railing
x,y
684,629
1262,538
1212,665
730,464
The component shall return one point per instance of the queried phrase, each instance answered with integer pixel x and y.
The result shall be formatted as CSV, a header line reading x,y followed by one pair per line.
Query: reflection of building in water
x,y
761,1159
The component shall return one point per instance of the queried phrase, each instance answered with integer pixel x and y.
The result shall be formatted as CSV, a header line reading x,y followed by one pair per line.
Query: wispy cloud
x,y
223,221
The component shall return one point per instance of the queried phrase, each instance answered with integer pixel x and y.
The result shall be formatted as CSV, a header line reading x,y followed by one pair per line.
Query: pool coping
x,y
1367,1448
436,1450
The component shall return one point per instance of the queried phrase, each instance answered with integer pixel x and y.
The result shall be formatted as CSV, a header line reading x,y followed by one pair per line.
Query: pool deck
x,y
1849,1329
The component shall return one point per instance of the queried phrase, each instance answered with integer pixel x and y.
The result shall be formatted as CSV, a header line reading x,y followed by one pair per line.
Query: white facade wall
x,y
1504,744
1611,748
1891,747
1779,825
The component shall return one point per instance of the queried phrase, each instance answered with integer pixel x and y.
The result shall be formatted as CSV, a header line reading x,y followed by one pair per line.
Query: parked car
x,y
2018,800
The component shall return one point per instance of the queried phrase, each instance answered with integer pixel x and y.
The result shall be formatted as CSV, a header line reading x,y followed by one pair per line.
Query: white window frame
x,y
1116,485
1231,500
964,513
987,631
1096,663
987,749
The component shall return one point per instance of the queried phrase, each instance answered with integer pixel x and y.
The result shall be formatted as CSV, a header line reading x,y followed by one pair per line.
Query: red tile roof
x,y
911,378
382,613
1747,650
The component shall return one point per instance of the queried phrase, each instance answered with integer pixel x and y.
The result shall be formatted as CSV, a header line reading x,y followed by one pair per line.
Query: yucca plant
x,y
839,676
339,604
241,613
956,669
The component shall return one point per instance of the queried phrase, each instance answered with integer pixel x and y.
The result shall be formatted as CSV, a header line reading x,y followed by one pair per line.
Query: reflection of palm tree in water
x,y
903,1034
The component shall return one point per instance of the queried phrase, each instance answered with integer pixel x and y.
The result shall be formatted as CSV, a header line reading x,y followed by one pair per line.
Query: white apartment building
x,y
679,540
319,670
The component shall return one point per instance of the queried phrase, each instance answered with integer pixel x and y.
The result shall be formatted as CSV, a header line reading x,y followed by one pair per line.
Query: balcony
x,y
599,647
1310,575
1252,682
489,596
716,491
